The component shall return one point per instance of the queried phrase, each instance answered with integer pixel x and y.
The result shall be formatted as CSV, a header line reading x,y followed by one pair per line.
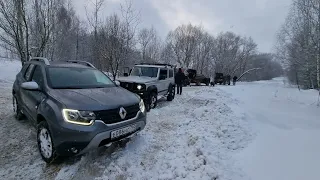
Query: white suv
x,y
150,82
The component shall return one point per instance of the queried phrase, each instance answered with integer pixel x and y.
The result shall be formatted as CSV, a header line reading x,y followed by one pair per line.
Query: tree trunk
x,y
318,57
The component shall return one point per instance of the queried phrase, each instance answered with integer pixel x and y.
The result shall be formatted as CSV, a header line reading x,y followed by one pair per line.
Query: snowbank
x,y
193,137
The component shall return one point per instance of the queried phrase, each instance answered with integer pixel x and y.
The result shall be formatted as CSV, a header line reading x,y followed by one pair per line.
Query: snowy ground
x,y
287,124
259,130
193,137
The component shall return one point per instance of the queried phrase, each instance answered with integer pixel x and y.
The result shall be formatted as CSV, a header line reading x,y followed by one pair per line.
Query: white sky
x,y
260,19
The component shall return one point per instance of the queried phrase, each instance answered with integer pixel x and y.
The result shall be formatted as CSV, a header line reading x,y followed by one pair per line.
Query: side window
x,y
28,72
170,73
164,73
38,76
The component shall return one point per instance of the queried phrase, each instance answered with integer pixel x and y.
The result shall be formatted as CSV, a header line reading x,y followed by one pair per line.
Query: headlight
x,y
142,107
85,118
139,87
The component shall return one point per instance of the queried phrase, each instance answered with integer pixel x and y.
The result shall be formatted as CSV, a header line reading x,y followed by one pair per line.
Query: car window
x,y
164,72
170,73
77,78
38,76
28,72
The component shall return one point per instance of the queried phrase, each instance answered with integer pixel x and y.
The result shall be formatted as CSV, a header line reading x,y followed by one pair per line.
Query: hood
x,y
136,79
95,99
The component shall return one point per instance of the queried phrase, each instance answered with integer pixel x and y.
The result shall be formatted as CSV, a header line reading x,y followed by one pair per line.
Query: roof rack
x,y
40,59
82,62
156,64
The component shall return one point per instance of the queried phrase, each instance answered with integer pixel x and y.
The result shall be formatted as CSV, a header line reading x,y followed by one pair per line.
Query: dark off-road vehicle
x,y
150,82
196,78
75,107
219,78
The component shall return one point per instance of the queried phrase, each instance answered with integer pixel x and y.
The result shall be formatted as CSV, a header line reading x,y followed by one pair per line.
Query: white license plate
x,y
123,131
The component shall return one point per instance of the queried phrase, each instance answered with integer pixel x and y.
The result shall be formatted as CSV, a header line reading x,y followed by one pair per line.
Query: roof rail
x,y
156,64
40,59
81,62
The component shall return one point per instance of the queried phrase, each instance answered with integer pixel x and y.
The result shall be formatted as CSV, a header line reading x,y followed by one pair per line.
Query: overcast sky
x,y
259,19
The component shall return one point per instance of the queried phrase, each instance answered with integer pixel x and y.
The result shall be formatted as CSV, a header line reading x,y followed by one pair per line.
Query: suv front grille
x,y
112,116
129,86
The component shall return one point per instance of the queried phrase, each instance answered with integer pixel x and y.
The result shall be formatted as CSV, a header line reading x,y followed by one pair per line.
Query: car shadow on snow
x,y
162,103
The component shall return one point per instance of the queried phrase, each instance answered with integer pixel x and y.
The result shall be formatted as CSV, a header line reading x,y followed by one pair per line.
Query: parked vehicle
x,y
150,82
219,78
197,78
75,107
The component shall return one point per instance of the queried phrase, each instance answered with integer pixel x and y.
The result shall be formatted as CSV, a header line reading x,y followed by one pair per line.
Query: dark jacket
x,y
235,78
179,78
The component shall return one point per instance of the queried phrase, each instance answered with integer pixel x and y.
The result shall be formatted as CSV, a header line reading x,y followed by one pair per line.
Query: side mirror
x,y
117,83
162,77
32,86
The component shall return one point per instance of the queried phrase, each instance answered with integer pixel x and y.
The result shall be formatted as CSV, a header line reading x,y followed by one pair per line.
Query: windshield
x,y
77,78
145,71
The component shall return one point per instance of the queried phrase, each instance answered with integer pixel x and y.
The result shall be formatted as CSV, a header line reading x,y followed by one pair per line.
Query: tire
x,y
171,93
17,109
45,143
153,100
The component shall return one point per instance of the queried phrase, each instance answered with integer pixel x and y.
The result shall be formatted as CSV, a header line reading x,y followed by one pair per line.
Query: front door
x,y
34,98
25,93
37,96
163,82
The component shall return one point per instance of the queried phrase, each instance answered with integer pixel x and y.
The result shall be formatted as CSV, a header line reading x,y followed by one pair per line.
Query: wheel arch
x,y
152,88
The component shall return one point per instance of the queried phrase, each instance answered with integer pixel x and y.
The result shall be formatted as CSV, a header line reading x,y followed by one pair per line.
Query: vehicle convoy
x,y
150,82
75,107
196,78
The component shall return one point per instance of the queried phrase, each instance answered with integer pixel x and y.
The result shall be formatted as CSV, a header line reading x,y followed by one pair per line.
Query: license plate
x,y
123,131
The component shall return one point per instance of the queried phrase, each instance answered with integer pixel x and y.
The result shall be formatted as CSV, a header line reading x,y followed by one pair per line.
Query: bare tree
x,y
14,27
149,45
94,22
298,43
117,38
184,40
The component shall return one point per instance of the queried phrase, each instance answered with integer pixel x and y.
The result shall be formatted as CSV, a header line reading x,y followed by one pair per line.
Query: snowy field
x,y
260,130
286,122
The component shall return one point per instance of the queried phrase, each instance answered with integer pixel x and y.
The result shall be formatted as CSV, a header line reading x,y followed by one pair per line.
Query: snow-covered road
x,y
258,130
287,127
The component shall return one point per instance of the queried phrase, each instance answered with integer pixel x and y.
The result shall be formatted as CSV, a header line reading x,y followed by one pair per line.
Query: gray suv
x,y
75,107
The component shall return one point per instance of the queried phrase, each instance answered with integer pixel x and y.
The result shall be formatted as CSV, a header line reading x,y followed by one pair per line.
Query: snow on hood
x,y
137,79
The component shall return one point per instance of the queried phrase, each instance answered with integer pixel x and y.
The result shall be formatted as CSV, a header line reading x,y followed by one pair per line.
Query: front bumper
x,y
104,138
75,139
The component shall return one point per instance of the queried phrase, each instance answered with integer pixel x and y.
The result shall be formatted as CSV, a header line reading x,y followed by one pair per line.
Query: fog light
x,y
74,150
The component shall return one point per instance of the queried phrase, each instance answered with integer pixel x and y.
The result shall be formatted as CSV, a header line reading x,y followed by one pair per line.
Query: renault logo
x,y
122,113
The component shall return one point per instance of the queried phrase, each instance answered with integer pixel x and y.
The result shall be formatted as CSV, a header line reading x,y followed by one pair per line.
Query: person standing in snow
x,y
179,79
229,79
235,80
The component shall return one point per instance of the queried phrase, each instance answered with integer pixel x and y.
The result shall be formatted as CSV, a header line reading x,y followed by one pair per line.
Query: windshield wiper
x,y
68,87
